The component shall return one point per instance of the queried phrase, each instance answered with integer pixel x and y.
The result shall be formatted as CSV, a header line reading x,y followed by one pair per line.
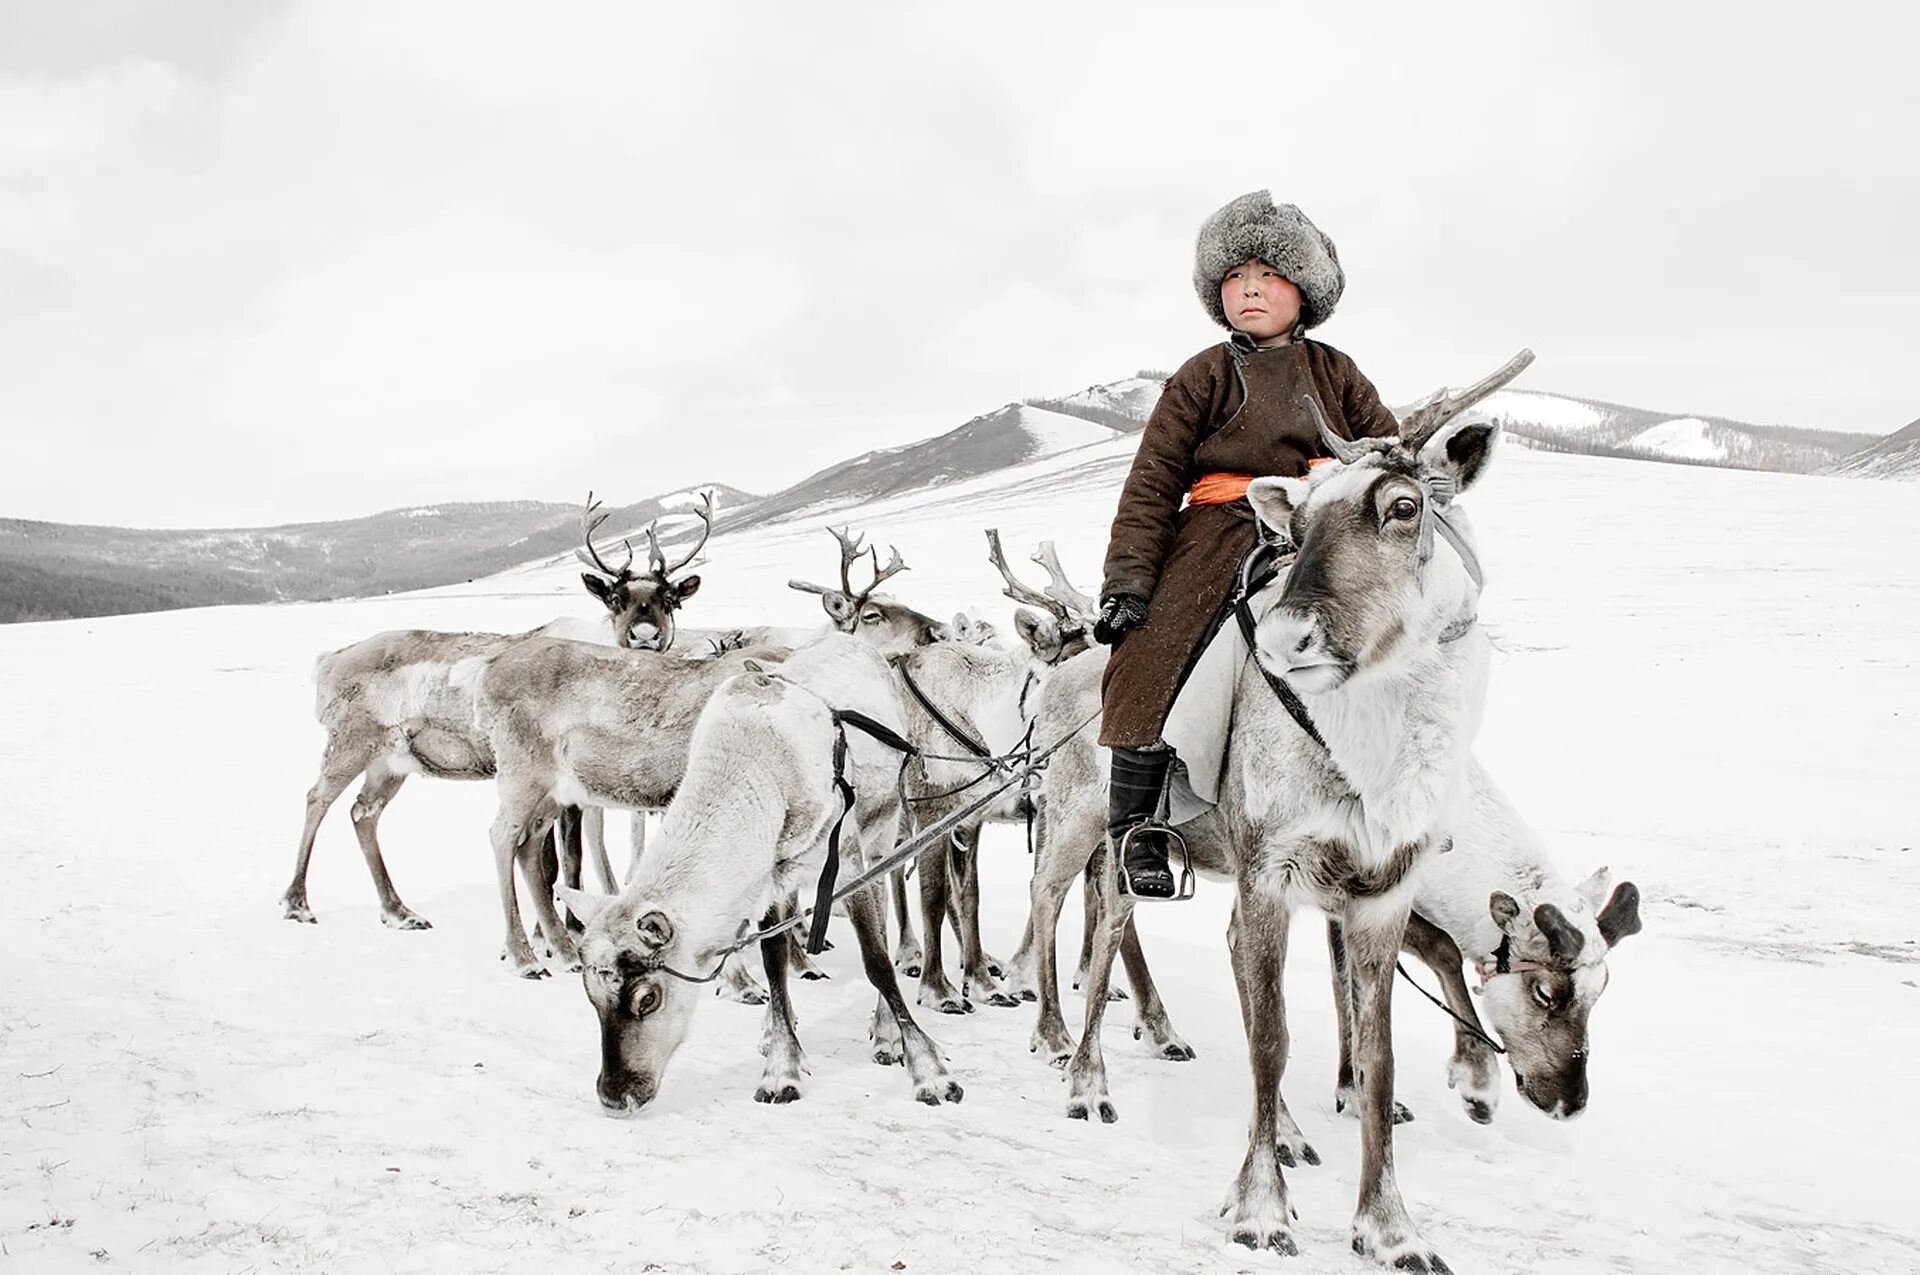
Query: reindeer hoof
x,y
1179,1051
1028,995
935,1094
1401,1115
533,972
814,974
1003,1000
1280,1242
1293,1153
297,910
1430,1264
784,1094
405,921
1081,1111
1478,1111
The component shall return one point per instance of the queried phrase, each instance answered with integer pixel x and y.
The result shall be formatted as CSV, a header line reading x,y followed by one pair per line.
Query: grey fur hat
x,y
1280,235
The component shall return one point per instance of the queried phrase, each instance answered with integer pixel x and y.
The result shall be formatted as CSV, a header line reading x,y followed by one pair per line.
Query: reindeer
x,y
1538,944
1343,815
747,829
878,619
949,882
966,706
390,711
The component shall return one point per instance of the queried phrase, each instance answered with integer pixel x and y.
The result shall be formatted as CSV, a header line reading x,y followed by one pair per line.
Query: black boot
x,y
1139,839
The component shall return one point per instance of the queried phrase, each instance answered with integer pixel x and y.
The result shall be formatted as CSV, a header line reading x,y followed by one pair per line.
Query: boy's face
x,y
1258,301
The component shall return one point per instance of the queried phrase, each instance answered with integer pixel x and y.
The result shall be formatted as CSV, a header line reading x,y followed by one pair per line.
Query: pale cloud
x,y
305,259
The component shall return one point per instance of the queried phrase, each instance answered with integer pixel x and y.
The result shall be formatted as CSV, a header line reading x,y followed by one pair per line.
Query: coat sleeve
x,y
1144,524
1367,416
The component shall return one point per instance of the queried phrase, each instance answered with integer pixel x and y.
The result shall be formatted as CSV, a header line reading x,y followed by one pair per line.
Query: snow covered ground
x,y
1705,678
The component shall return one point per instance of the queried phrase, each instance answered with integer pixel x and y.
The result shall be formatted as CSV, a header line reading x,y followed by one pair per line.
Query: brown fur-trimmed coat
x,y
1183,560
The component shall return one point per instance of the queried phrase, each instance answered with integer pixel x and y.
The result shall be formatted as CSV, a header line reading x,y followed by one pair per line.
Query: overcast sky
x,y
275,260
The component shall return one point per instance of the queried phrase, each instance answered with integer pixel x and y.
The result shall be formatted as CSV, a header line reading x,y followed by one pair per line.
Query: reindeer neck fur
x,y
1399,736
1495,849
748,825
981,689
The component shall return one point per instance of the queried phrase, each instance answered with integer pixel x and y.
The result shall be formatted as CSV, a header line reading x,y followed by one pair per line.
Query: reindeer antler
x,y
851,549
590,555
1016,588
658,562
1426,419
1060,587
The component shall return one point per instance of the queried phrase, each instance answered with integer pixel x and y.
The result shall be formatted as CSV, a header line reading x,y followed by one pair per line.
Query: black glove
x,y
1118,613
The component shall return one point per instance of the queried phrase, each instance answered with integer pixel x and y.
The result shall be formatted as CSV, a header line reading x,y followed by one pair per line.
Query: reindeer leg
x,y
1087,1072
1261,1213
1057,863
540,882
799,960
931,1083
381,784
637,841
1473,1069
786,1062
1153,1017
935,991
1114,991
593,823
339,765
1382,1228
980,972
569,841
906,955
512,832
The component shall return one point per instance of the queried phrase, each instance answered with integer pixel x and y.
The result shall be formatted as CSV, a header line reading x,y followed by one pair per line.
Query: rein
x,y
827,895
1446,1009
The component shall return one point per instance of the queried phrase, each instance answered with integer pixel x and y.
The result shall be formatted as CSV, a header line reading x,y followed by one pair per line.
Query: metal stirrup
x,y
1182,881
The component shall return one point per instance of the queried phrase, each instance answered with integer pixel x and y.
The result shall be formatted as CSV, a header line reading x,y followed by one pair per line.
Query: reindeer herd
x,y
771,752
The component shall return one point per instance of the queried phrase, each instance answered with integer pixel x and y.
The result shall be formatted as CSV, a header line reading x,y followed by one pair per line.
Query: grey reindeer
x,y
390,710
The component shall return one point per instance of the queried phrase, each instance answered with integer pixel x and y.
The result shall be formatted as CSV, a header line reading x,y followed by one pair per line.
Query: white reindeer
x,y
390,710
747,830
1374,631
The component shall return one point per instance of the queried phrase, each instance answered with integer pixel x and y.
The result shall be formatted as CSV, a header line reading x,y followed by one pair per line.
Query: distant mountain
x,y
1006,436
1120,405
52,571
1557,422
1897,456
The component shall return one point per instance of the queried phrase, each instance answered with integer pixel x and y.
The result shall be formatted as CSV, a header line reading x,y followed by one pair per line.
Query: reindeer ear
x,y
839,608
1274,501
1621,916
1041,633
1504,911
654,930
1593,891
687,588
599,586
1563,940
1461,450
581,904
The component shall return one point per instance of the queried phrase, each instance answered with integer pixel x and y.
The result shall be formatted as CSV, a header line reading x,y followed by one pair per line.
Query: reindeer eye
x,y
647,1001
870,617
1403,509
1544,995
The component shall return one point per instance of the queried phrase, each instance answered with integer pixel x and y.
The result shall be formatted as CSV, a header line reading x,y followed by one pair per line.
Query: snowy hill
x,y
1556,422
58,570
986,444
1123,405
1896,456
1698,680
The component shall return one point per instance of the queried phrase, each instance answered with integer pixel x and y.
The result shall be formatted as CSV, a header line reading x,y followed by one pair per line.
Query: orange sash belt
x,y
1224,489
